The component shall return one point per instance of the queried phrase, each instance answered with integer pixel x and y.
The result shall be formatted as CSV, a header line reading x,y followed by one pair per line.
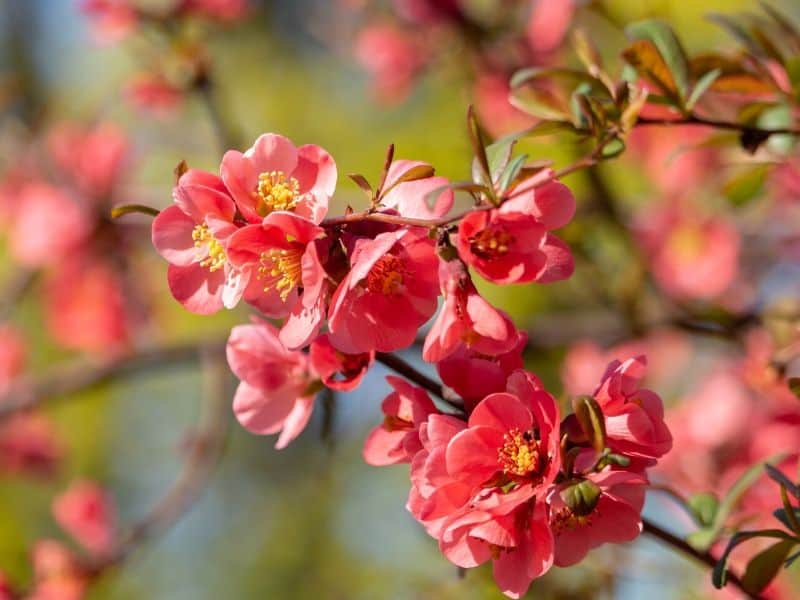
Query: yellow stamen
x,y
519,454
386,276
281,270
565,519
276,192
212,254
490,243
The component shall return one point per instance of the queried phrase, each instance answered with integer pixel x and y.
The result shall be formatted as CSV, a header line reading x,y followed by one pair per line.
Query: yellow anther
x,y
386,276
519,454
490,243
276,192
212,254
281,270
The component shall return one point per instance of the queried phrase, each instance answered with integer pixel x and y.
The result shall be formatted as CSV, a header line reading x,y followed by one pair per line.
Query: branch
x,y
683,547
29,392
397,364
728,125
206,446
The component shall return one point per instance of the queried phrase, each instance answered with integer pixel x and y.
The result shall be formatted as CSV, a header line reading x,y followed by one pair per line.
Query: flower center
x,y
386,276
519,454
490,242
281,270
211,253
564,520
276,192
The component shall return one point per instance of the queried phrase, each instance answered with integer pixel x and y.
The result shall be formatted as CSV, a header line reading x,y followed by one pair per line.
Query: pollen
x,y
275,191
281,270
490,243
565,520
386,276
211,253
519,454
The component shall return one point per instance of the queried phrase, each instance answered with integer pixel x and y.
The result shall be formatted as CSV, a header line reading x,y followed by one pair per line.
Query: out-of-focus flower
x,y
58,576
392,57
153,92
29,445
220,10
277,388
12,356
548,24
86,512
496,113
113,19
692,256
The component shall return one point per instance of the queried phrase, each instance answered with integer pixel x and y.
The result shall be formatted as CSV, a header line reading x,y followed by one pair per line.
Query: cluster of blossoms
x,y
182,65
500,38
495,475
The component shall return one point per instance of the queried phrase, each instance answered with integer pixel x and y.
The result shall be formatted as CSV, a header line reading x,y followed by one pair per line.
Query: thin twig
x,y
701,121
29,392
397,364
684,548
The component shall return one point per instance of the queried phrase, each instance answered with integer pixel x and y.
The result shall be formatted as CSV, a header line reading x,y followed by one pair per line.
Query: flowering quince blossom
x,y
192,236
338,371
512,244
466,319
393,57
614,515
274,175
12,356
634,417
397,439
390,291
277,388
58,574
86,512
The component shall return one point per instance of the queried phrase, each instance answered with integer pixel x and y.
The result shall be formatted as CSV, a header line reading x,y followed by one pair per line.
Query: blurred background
x,y
311,521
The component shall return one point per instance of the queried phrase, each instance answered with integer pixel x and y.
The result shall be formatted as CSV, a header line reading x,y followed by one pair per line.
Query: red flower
x,y
339,371
388,294
397,439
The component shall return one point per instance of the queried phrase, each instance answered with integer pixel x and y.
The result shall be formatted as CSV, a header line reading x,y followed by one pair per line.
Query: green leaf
x,y
479,148
510,173
545,92
613,148
701,87
126,209
590,417
704,507
668,46
719,576
703,539
746,185
765,565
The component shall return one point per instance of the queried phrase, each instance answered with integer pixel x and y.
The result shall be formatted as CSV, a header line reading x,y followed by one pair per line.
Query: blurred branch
x,y
701,121
684,548
397,364
29,392
207,91
16,288
205,448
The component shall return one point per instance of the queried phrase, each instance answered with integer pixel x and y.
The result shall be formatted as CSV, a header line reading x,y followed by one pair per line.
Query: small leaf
x,y
719,576
742,83
794,386
781,479
478,146
590,417
765,565
179,170
613,148
413,174
545,92
126,209
783,22
510,173
645,58
361,182
386,164
790,561
783,517
704,507
745,186
701,87
752,139
669,48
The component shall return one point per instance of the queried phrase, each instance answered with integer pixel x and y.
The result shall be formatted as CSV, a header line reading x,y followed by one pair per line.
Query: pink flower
x,y
338,371
634,417
548,24
397,439
277,388
57,572
496,113
28,445
466,319
153,92
388,294
512,244
85,306
411,198
12,356
6,591
615,516
274,175
393,59
86,512
192,235
94,159
474,376
221,10
48,225
280,260
692,256
114,19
